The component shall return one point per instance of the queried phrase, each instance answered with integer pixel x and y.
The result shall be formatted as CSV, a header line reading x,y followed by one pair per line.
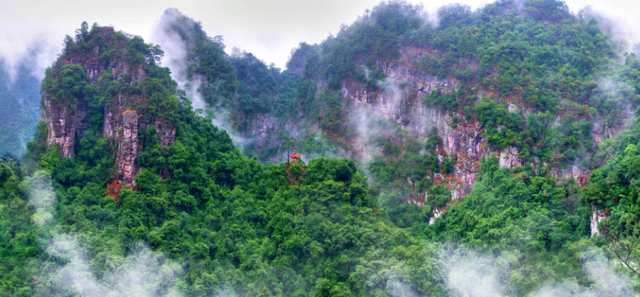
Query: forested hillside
x,y
530,83
489,153
232,225
254,101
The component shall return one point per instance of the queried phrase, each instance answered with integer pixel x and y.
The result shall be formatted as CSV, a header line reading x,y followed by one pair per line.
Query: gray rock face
x,y
596,217
601,132
510,157
263,127
579,175
61,122
166,133
68,121
128,147
399,100
465,143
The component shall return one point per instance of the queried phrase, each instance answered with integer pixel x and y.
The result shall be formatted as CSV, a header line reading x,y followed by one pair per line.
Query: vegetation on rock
x,y
528,78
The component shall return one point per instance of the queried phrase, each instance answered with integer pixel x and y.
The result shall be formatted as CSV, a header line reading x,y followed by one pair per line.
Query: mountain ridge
x,y
494,154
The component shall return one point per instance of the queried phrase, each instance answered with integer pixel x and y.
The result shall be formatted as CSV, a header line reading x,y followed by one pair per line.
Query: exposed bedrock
x,y
68,122
399,99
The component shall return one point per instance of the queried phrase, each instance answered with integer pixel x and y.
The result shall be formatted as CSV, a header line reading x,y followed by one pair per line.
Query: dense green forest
x,y
236,88
206,218
562,68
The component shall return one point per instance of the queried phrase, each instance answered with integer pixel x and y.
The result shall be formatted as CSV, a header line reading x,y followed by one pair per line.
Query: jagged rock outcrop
x,y
436,214
465,143
128,147
510,157
123,116
263,127
596,217
399,100
61,122
601,132
399,96
262,131
166,133
579,175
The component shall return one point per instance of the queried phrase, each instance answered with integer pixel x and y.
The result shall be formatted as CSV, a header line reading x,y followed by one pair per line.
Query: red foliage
x,y
113,189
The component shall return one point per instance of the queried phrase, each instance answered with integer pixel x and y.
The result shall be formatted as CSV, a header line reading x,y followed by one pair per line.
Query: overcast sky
x,y
268,29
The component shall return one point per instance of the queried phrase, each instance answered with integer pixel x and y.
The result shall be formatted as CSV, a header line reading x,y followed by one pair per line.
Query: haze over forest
x,y
320,149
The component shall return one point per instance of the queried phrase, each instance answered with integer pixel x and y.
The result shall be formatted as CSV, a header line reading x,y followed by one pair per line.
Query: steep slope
x,y
261,106
518,82
254,102
108,84
497,105
266,104
522,85
527,82
225,223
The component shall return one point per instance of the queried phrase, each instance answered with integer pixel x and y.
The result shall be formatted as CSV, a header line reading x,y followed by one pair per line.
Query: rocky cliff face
x,y
263,127
122,117
128,147
399,96
596,217
464,143
399,100
61,124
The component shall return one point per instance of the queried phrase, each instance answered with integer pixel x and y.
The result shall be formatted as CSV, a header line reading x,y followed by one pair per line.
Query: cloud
x,y
173,32
431,18
142,272
470,273
617,17
41,195
398,286
476,274
605,280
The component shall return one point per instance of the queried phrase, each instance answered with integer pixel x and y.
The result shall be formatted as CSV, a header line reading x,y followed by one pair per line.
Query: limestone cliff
x,y
117,76
398,99
61,122
596,217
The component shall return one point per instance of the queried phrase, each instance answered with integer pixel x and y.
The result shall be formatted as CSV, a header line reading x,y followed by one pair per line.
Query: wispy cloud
x,y
141,272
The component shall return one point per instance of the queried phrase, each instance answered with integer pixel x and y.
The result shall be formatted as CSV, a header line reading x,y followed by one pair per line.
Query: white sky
x,y
268,29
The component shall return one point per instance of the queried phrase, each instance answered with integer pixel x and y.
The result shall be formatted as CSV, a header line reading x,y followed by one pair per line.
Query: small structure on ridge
x,y
295,158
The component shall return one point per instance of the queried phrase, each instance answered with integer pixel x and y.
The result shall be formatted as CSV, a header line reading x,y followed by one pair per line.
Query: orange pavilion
x,y
295,158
